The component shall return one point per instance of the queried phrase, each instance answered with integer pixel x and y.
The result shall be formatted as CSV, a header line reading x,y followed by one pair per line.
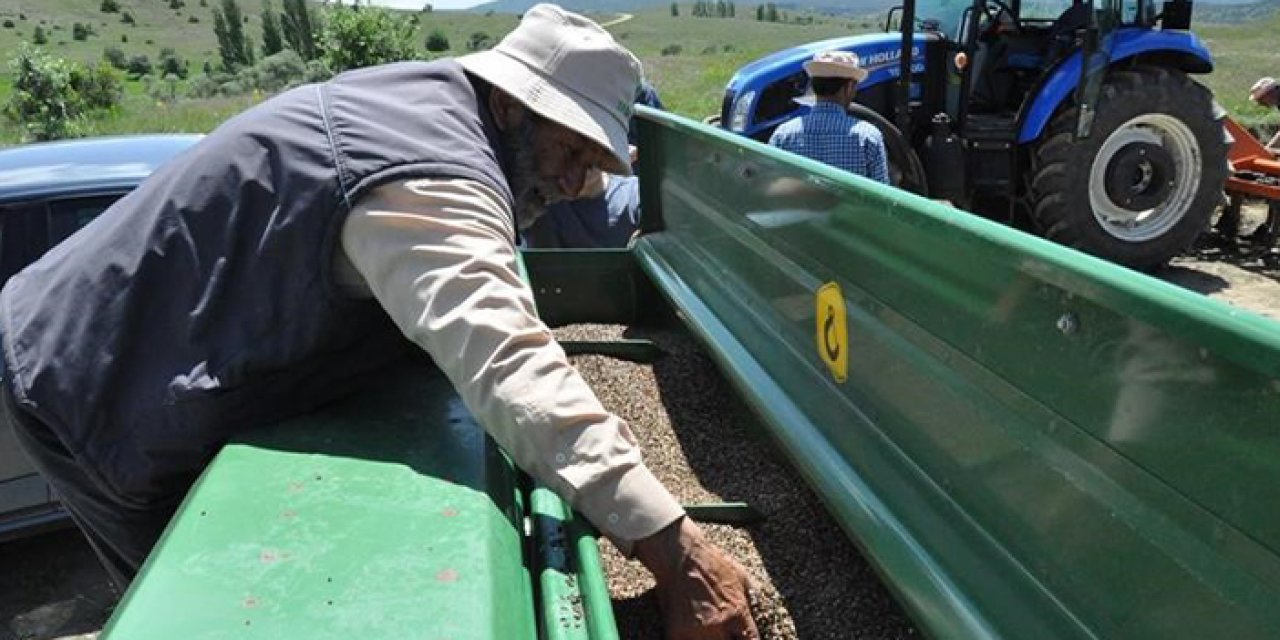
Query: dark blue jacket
x,y
202,303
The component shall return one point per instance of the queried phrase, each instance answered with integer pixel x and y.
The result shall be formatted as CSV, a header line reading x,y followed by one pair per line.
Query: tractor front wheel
x,y
1144,183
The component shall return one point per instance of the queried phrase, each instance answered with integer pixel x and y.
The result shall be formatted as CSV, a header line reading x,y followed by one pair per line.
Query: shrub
x,y
170,63
39,37
437,41
127,18
80,31
279,70
139,65
365,36
8,24
100,86
203,86
479,41
193,19
672,50
109,6
51,97
124,37
317,71
115,57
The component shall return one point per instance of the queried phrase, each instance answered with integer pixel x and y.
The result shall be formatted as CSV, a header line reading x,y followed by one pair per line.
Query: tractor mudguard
x,y
1186,52
879,53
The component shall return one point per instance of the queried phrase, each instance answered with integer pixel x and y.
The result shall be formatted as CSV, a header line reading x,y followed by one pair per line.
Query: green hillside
x,y
701,54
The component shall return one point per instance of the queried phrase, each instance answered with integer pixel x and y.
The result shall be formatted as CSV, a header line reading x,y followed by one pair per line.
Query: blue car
x,y
47,192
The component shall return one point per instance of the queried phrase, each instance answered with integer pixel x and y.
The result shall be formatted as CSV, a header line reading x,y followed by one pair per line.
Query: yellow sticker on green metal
x,y
832,331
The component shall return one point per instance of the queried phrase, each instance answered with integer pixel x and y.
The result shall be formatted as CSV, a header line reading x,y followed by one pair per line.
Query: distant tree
x,y
479,41
771,12
139,65
127,18
115,57
437,41
760,12
228,27
675,10
732,10
272,41
427,8
39,37
124,38
208,68
109,6
8,24
170,63
298,25
80,31
176,4
193,19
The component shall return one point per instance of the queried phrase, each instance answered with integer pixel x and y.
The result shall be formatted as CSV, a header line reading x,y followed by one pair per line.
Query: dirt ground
x,y
52,587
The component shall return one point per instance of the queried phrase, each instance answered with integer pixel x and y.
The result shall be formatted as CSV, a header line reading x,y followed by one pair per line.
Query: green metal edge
x,y
574,598
577,579
1185,528
1239,333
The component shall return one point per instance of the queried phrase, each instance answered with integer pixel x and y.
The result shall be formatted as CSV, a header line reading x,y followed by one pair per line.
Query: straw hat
x,y
835,64
1263,87
569,70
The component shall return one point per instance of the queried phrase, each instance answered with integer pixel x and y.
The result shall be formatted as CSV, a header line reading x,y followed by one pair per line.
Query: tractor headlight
x,y
741,112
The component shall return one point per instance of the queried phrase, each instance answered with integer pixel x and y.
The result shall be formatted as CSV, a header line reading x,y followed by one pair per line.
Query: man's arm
x,y
439,256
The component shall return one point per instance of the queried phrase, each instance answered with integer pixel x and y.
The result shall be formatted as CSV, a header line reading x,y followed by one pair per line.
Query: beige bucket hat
x,y
569,70
1263,87
835,64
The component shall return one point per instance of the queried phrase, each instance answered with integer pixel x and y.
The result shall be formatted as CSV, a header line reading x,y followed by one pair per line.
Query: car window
x,y
67,216
27,230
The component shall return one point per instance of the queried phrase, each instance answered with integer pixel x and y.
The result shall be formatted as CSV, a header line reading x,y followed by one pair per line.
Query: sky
x,y
417,4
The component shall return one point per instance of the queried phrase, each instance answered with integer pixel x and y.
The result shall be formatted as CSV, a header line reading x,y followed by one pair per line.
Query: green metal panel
x,y
390,515
1030,442
574,598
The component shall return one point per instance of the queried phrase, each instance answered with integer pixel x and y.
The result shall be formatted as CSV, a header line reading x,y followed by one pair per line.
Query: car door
x,y
27,231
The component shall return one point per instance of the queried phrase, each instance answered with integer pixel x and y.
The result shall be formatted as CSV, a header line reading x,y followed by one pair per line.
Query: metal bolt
x,y
1068,323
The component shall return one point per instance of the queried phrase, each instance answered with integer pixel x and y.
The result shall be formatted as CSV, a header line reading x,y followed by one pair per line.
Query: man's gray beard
x,y
530,191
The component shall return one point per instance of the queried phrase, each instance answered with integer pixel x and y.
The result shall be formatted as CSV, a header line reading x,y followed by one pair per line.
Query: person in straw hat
x,y
1266,92
827,133
271,266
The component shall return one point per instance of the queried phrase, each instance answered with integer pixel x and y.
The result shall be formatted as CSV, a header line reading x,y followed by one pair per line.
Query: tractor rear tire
x,y
1143,185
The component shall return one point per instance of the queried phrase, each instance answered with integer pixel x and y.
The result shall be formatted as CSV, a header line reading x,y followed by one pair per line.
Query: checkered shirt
x,y
830,135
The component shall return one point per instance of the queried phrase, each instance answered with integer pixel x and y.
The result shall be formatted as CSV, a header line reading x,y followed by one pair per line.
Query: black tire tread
x,y
1059,182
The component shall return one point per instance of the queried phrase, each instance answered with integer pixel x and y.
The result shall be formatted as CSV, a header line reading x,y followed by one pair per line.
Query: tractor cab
x,y
1073,119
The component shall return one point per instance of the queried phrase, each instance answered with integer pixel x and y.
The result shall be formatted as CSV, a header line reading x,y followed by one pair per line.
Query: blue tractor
x,y
1073,119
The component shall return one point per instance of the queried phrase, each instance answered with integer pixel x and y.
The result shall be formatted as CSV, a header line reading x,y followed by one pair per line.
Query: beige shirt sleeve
x,y
439,256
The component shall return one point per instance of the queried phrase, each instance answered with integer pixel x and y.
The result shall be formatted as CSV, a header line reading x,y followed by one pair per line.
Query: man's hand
x,y
703,593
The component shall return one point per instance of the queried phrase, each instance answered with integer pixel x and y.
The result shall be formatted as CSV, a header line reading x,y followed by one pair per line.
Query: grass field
x,y
691,83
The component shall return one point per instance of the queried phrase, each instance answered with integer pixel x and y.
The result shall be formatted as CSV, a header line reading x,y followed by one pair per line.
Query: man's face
x,y
547,163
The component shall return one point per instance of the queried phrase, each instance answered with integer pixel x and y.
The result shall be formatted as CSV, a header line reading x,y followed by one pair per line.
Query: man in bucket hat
x,y
275,263
827,133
